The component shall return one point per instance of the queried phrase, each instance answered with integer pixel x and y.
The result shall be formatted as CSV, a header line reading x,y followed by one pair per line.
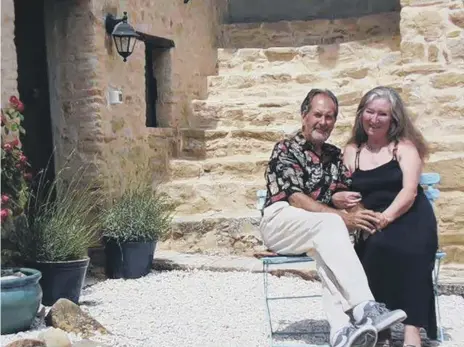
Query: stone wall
x,y
181,78
431,78
84,64
9,72
315,32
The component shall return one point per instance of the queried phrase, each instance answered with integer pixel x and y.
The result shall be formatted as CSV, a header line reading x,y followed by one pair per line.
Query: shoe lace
x,y
348,329
381,308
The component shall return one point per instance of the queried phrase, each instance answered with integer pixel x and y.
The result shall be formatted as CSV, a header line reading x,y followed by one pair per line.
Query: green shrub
x,y
62,220
138,215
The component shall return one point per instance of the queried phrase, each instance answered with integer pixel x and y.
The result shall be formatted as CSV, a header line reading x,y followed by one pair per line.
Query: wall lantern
x,y
123,34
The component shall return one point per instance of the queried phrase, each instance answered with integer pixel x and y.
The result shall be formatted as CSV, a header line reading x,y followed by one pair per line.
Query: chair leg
x,y
437,301
266,298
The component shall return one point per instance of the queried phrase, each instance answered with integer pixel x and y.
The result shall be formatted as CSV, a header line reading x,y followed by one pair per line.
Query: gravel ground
x,y
213,309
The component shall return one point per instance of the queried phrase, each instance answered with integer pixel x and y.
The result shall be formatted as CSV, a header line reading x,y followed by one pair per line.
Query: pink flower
x,y
7,147
14,100
28,176
22,158
16,103
4,213
20,106
5,198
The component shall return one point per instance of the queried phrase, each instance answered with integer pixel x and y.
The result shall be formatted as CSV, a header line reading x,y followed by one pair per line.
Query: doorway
x,y
33,86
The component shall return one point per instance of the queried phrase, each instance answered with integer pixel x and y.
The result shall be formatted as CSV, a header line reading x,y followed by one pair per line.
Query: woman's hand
x,y
384,221
345,200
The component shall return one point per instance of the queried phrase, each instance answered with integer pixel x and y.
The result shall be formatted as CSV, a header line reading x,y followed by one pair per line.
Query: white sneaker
x,y
371,312
351,336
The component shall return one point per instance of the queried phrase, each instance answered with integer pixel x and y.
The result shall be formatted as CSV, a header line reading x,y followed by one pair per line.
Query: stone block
x,y
421,3
451,239
456,48
418,68
280,54
454,254
358,72
448,79
428,23
411,51
457,17
433,52
451,172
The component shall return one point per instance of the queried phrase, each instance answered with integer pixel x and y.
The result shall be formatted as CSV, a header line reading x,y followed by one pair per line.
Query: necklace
x,y
373,150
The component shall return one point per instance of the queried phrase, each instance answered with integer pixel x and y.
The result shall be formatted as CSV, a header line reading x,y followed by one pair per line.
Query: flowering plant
x,y
14,163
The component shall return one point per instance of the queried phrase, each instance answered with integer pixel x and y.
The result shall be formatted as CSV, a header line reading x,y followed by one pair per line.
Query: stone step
x,y
307,58
289,81
450,165
311,32
449,143
233,166
208,194
212,114
217,233
222,142
225,142
355,75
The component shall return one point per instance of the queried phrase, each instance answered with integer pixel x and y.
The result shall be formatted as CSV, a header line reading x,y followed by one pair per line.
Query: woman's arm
x,y
349,156
411,166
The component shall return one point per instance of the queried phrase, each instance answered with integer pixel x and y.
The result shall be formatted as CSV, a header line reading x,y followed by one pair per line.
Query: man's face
x,y
320,120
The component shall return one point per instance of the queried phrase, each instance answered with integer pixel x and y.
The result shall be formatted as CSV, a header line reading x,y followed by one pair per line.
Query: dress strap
x,y
356,159
395,150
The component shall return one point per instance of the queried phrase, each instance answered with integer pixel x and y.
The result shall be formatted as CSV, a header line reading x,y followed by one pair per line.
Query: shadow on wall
x,y
245,11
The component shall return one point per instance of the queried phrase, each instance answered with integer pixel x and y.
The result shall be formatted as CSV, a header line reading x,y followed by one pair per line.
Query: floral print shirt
x,y
295,167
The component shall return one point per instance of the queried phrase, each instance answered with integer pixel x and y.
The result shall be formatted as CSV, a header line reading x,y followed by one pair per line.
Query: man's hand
x,y
345,200
365,220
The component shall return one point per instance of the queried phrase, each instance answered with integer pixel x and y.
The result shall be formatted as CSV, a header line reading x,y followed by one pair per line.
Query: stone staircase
x,y
253,102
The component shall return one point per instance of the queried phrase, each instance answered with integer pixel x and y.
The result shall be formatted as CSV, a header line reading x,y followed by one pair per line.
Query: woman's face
x,y
377,118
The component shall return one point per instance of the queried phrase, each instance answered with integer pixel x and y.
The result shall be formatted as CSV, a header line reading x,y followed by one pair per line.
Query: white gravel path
x,y
210,309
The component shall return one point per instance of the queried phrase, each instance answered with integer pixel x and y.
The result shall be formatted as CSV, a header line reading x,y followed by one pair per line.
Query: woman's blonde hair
x,y
401,128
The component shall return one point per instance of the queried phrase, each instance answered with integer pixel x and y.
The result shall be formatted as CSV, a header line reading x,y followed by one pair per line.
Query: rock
x,y
69,317
27,343
55,338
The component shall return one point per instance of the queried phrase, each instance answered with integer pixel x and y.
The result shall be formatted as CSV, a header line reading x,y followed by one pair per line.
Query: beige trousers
x,y
288,230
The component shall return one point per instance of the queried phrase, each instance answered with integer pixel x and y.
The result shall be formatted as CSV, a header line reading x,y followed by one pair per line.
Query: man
x,y
302,174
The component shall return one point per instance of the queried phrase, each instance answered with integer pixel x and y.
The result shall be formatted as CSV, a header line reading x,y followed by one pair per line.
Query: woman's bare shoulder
x,y
350,149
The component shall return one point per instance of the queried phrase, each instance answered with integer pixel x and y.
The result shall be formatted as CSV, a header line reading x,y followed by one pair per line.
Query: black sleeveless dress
x,y
399,260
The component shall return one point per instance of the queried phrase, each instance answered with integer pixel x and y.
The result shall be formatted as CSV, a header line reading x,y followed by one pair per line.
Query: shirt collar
x,y
307,145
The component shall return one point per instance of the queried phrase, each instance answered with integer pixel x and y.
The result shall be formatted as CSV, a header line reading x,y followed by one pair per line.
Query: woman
x,y
385,155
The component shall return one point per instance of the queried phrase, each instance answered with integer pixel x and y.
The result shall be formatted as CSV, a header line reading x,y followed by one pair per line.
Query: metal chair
x,y
428,180
269,261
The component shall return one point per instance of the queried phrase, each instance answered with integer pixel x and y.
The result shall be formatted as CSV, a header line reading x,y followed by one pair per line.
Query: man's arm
x,y
357,219
307,203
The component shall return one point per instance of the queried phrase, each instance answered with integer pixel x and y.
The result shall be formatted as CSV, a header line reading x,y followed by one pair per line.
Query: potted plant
x,y
62,224
20,297
21,293
131,226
